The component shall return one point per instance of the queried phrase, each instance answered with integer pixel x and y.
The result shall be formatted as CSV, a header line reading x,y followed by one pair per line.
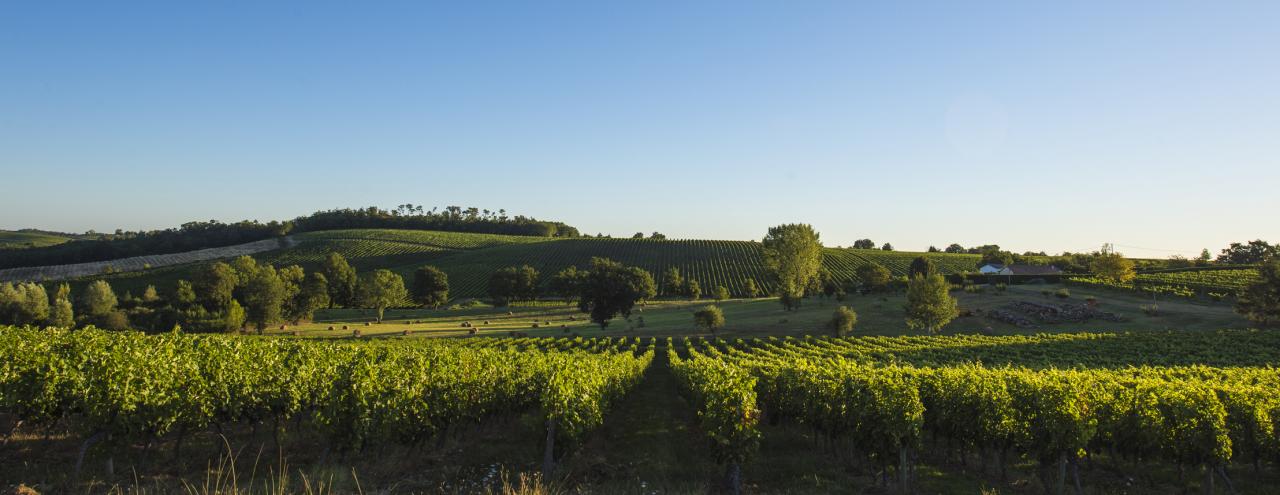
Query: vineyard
x,y
1068,409
469,259
127,387
1187,400
1216,283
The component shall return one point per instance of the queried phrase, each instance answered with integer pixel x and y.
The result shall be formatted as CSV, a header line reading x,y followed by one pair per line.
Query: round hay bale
x,y
407,332
355,333
295,333
284,327
367,324
344,327
486,322
471,332
535,325
330,328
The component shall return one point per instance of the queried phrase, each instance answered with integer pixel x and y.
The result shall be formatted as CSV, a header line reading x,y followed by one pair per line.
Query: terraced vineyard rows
x,y
1195,399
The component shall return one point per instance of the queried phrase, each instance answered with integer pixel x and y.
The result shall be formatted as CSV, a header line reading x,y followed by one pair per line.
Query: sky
x,y
1033,125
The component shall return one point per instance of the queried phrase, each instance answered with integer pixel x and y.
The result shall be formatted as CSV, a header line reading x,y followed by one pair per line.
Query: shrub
x,y
842,321
1062,293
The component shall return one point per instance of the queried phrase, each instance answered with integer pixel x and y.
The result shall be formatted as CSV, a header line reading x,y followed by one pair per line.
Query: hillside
x,y
10,239
469,259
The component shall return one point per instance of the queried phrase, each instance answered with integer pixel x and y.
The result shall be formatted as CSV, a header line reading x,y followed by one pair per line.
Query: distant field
x,y
21,240
136,263
469,259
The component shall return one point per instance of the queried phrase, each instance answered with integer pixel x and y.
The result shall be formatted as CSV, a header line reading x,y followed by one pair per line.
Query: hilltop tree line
x,y
200,235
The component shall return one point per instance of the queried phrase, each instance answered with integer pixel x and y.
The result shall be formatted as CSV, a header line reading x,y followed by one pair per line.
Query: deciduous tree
x,y
929,303
792,253
710,317
430,287
380,290
1260,302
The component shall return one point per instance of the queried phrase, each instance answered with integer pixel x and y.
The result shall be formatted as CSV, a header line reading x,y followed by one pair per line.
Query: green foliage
x,y
709,318
214,285
513,284
921,266
929,303
430,287
842,321
1255,251
23,304
263,297
720,293
342,280
97,300
1113,266
750,289
793,253
380,290
692,289
673,283
874,277
567,283
610,289
1260,302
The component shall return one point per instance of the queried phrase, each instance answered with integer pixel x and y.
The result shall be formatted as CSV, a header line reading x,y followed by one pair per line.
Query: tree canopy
x,y
929,303
792,253
610,289
430,287
380,290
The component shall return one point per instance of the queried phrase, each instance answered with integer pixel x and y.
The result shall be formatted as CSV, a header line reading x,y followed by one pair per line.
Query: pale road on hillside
x,y
63,272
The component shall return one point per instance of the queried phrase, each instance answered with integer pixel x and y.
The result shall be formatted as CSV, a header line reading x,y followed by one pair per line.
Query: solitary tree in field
x,y
1260,302
638,235
342,280
610,289
1113,266
955,249
513,284
720,293
934,249
709,317
430,287
887,247
150,296
873,276
842,321
381,290
752,290
929,303
792,254
864,244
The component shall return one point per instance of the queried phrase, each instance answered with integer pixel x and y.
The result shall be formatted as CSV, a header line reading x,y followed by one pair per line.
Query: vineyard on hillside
x,y
1193,401
25,239
711,263
1215,282
469,259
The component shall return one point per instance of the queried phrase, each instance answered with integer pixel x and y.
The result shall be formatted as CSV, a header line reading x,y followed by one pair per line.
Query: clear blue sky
x,y
1034,125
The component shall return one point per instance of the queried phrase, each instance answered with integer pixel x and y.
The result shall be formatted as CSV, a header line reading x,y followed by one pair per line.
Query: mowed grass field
x,y
469,259
20,240
877,315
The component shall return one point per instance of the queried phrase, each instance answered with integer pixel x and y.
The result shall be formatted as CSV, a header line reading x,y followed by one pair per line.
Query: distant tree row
x,y
200,235
605,290
224,297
